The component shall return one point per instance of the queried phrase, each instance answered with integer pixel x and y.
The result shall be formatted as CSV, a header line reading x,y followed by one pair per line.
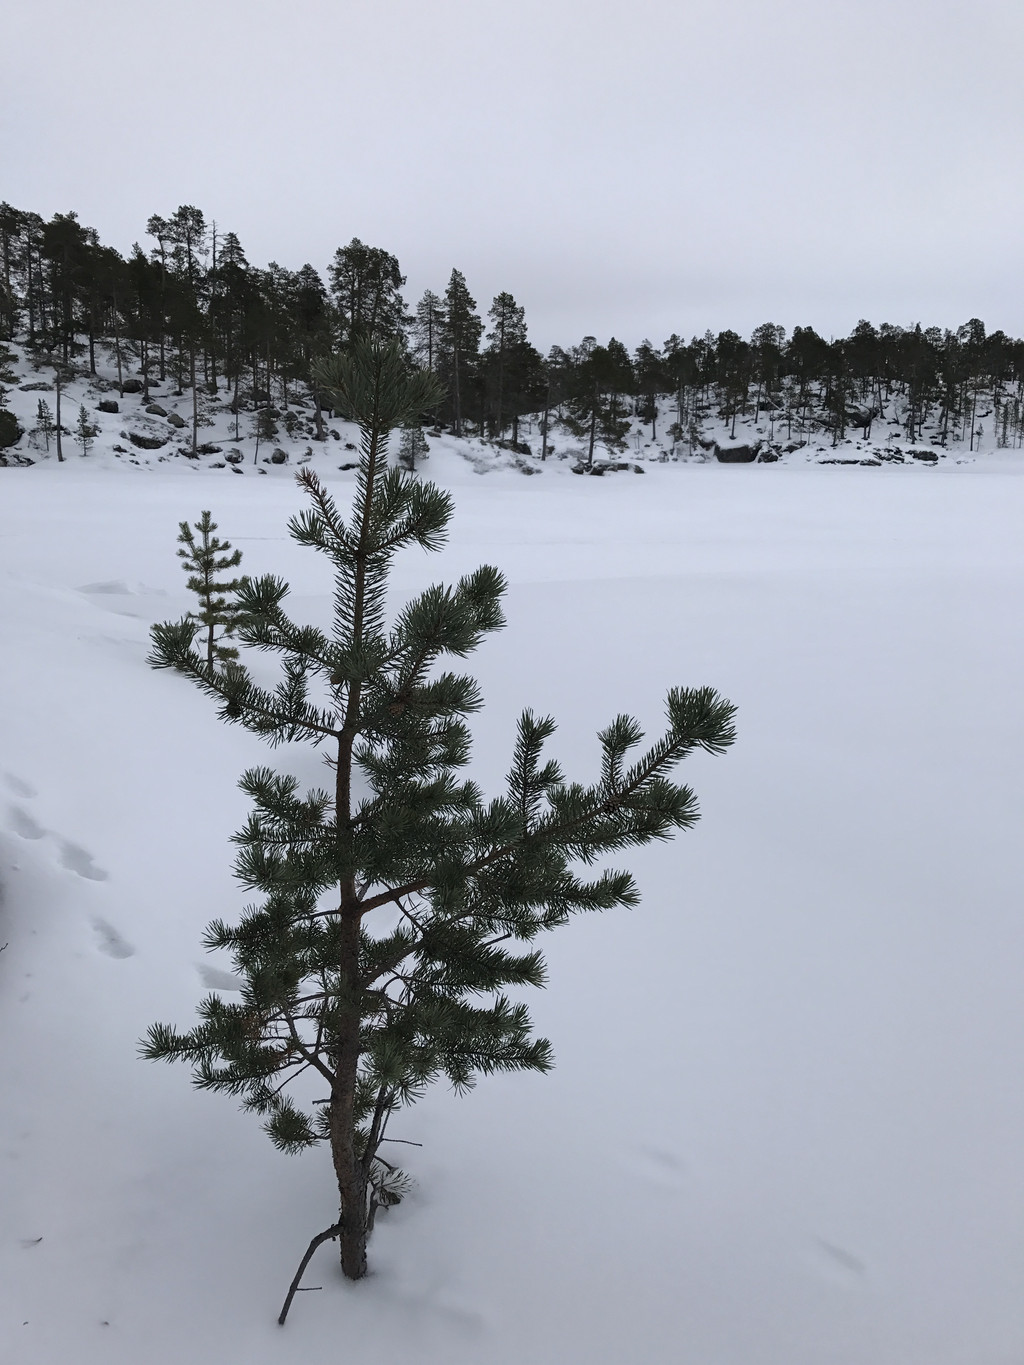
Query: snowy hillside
x,y
786,1123
151,430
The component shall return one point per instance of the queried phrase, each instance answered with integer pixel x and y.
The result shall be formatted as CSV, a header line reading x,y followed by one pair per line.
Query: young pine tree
x,y
399,906
264,428
44,421
412,447
85,432
204,560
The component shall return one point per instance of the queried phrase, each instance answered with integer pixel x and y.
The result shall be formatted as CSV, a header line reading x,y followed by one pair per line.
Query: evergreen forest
x,y
189,308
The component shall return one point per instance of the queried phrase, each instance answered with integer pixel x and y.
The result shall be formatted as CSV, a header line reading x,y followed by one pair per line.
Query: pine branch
x,y
328,1235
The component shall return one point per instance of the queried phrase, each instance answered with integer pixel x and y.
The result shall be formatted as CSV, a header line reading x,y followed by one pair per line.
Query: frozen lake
x,y
786,1124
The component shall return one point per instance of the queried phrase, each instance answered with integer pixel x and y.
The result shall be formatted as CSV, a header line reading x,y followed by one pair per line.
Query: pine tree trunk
x,y
351,1170
208,606
117,352
195,405
31,303
348,1168
499,417
60,452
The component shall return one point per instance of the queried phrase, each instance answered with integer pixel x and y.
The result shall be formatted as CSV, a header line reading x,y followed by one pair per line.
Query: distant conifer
x,y
44,421
412,447
85,432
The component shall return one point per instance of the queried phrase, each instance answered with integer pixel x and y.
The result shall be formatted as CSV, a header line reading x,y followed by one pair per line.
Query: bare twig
x,y
328,1235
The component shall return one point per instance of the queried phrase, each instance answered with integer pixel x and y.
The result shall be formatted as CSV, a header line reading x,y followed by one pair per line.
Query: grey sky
x,y
629,169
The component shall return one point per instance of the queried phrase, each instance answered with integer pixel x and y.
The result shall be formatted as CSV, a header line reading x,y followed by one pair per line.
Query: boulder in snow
x,y
737,452
145,442
860,415
600,467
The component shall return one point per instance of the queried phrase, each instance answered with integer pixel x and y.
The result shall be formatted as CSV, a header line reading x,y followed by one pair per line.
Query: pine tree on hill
x,y
595,410
508,331
425,327
264,428
526,383
85,432
460,344
366,283
400,905
44,421
204,560
651,380
412,447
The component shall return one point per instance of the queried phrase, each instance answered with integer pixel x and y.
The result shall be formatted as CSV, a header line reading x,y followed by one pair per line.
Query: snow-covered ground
x,y
786,1125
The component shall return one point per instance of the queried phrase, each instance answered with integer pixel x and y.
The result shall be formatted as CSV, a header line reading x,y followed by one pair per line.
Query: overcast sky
x,y
630,169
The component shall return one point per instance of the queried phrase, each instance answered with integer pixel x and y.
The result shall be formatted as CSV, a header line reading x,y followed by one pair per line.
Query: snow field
x,y
786,1123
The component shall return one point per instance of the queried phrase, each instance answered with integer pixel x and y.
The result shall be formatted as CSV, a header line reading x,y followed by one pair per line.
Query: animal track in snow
x,y
24,824
19,786
110,941
70,855
76,859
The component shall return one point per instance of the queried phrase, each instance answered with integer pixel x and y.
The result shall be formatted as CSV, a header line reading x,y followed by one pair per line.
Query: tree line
x,y
191,307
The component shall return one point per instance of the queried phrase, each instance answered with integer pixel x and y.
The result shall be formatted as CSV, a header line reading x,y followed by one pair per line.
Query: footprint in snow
x,y
76,859
110,941
71,856
24,824
19,786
